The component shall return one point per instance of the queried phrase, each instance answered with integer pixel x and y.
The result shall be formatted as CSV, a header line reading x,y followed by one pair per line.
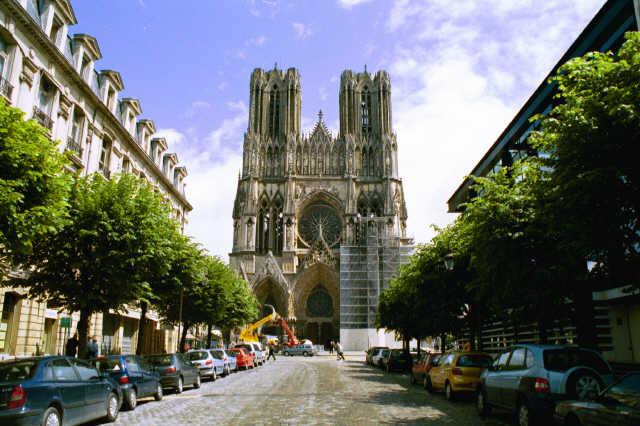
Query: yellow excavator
x,y
250,334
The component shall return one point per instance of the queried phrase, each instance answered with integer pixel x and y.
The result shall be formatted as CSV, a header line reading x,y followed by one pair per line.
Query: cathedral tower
x,y
310,208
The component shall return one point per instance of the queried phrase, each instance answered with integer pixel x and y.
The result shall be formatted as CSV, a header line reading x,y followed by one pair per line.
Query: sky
x,y
460,71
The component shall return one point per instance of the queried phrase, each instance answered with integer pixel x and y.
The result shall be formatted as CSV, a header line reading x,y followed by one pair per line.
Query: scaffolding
x,y
366,269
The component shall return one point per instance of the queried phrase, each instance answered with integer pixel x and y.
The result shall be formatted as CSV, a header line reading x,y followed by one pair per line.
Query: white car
x,y
378,356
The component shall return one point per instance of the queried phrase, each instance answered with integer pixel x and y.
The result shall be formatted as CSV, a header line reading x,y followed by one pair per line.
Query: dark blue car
x,y
134,375
54,390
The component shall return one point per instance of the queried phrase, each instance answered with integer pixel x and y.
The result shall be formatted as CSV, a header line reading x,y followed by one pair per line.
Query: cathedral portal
x,y
310,210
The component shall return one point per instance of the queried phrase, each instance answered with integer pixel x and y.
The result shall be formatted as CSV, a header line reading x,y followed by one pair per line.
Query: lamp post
x,y
180,321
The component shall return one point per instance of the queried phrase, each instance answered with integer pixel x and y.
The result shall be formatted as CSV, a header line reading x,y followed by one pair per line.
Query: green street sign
x,y
65,322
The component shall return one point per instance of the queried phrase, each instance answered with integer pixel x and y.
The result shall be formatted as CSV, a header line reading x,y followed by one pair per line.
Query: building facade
x,y
310,208
52,76
617,311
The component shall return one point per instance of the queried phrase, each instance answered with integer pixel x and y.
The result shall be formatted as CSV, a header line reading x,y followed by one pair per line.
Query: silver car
x,y
210,366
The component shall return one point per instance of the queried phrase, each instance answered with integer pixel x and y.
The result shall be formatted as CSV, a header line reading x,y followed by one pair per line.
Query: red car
x,y
244,358
420,369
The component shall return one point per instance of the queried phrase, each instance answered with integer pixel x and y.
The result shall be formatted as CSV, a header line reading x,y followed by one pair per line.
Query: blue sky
x,y
460,70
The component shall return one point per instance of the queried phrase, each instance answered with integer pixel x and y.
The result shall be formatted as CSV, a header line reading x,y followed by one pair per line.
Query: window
x,y
45,96
4,53
55,32
274,112
61,370
77,125
126,165
530,360
501,362
365,111
86,371
84,69
111,97
132,364
517,359
105,156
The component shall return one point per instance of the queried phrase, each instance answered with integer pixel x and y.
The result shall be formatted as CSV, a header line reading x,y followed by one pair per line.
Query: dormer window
x,y
111,99
56,30
152,150
84,69
35,8
132,123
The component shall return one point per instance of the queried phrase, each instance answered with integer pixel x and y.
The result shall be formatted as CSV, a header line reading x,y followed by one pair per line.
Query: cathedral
x,y
320,220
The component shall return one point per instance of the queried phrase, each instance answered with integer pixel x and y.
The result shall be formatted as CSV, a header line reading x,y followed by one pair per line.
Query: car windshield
x,y
563,359
160,360
196,356
17,371
397,353
626,391
234,352
480,361
107,364
247,347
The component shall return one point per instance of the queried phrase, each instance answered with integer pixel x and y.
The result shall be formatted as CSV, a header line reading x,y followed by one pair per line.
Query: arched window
x,y
262,231
298,160
319,303
365,111
278,228
274,112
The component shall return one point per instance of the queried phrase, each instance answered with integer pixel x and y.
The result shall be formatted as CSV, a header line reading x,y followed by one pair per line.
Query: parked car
x,y
378,357
243,358
175,371
371,352
619,405
457,371
48,390
210,366
530,379
258,357
422,366
304,349
397,359
260,352
230,363
134,375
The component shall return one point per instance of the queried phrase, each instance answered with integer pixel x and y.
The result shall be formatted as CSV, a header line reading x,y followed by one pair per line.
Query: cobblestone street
x,y
299,390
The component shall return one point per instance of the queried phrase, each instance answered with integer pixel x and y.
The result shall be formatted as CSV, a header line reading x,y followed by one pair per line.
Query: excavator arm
x,y
249,334
293,340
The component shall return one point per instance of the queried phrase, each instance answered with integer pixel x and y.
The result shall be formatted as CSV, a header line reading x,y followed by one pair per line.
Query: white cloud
x,y
213,164
302,31
256,41
195,108
348,4
460,71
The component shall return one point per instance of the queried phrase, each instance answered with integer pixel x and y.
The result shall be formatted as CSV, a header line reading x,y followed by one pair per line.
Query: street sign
x,y
65,322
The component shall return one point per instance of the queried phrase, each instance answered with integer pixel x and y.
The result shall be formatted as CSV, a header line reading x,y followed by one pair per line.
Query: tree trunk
x,y
183,338
208,335
584,319
443,342
143,313
83,332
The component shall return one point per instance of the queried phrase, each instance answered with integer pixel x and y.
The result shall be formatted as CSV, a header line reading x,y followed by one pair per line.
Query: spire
x,y
320,116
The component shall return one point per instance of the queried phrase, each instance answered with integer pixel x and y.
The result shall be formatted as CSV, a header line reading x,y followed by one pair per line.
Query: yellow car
x,y
457,371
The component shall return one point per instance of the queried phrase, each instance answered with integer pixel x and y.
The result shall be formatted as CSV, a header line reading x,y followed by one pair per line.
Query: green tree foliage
x,y
102,256
33,184
593,178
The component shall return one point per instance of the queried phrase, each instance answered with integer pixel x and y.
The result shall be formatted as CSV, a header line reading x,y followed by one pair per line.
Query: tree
x,y
593,180
102,256
33,184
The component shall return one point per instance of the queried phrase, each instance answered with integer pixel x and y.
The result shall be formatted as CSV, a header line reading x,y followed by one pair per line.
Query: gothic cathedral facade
x,y
303,199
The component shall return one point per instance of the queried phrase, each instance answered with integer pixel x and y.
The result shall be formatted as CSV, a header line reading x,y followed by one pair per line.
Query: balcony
x,y
42,118
5,88
74,147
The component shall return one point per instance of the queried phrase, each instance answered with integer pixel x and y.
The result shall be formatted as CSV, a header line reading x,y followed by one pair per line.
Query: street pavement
x,y
313,391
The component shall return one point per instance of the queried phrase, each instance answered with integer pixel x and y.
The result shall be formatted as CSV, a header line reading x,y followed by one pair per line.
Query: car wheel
x,y
180,386
214,376
524,415
583,385
448,392
198,382
286,353
51,417
132,399
113,407
305,354
482,407
412,379
158,395
572,420
427,384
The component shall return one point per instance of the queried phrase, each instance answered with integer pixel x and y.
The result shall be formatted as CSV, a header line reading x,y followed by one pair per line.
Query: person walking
x,y
272,353
331,347
92,348
339,351
71,349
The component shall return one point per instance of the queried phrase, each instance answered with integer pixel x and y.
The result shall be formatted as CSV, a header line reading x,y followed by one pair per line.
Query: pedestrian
x,y
92,348
339,351
272,353
331,347
71,349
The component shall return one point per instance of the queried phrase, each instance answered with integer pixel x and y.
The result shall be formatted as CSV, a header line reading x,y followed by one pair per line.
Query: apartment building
x,y
53,76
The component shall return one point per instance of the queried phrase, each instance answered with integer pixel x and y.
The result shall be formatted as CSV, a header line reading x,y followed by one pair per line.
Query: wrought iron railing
x,y
106,173
74,146
42,118
5,88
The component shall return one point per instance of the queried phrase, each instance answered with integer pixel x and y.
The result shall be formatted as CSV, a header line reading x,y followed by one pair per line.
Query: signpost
x,y
65,322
